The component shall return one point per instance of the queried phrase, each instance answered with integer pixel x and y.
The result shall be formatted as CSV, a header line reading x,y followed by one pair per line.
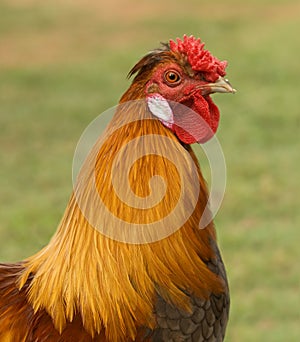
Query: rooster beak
x,y
222,85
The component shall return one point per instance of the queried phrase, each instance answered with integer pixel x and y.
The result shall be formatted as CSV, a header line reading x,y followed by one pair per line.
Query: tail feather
x,y
15,312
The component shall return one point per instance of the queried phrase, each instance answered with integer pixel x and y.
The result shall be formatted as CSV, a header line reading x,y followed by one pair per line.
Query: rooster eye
x,y
172,77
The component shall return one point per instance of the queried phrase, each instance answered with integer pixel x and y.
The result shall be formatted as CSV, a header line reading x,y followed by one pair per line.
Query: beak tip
x,y
222,85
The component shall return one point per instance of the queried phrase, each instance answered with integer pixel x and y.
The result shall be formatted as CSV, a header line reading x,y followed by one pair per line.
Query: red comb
x,y
199,58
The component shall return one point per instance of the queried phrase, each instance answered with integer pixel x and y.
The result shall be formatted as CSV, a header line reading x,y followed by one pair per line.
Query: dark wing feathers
x,y
207,320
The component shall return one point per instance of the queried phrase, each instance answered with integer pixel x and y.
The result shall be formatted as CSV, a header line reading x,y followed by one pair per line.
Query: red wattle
x,y
196,119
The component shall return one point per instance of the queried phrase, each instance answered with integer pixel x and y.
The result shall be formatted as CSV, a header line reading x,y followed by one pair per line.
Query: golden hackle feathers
x,y
87,280
113,285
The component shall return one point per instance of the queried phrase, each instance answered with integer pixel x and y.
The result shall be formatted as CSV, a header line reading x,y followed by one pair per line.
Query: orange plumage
x,y
87,286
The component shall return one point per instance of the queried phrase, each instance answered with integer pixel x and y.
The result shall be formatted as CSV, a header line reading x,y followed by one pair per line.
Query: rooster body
x,y
87,286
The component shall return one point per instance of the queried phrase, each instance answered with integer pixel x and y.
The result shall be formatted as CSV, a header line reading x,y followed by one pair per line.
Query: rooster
x,y
109,274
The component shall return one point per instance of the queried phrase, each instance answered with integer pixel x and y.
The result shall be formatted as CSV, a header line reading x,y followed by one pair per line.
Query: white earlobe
x,y
160,108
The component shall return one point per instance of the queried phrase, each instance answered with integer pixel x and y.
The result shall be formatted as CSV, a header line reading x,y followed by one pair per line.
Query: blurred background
x,y
64,62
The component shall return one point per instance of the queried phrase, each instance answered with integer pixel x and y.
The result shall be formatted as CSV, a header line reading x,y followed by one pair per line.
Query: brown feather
x,y
87,285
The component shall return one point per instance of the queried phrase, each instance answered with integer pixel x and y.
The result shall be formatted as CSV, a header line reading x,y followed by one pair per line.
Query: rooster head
x,y
177,80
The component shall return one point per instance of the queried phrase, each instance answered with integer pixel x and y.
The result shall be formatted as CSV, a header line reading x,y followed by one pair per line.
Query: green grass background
x,y
64,62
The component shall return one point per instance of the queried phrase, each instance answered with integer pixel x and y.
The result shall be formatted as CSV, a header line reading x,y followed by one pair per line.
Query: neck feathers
x,y
89,268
